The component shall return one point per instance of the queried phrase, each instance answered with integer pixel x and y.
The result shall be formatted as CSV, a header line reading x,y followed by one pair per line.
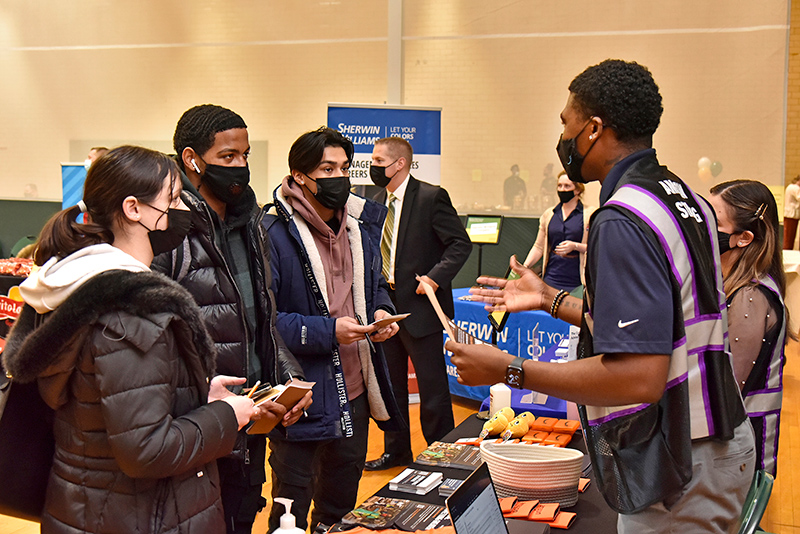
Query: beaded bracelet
x,y
557,302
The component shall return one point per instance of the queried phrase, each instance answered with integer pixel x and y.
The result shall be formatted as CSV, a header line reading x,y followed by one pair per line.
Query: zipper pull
x,y
247,456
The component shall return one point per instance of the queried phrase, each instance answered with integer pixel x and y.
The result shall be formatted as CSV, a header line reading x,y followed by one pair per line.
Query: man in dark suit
x,y
423,236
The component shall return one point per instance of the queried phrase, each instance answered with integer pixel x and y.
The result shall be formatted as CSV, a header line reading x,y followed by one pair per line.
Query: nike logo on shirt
x,y
626,323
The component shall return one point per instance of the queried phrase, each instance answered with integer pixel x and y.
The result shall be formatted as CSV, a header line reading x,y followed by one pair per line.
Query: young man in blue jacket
x,y
326,276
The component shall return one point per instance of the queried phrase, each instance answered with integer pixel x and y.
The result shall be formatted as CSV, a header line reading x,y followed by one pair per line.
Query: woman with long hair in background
x,y
755,286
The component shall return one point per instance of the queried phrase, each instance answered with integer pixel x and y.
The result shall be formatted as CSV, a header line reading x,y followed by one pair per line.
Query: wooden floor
x,y
783,512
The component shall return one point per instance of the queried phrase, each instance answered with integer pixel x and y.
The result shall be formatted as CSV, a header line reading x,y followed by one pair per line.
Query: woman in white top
x,y
791,213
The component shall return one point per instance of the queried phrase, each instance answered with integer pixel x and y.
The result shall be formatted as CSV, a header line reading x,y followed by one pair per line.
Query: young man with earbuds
x,y
223,264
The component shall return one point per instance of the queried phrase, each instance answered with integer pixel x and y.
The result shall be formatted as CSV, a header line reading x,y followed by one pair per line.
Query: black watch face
x,y
514,378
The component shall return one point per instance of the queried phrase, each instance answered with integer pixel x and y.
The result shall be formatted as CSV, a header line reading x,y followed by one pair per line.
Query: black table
x,y
593,514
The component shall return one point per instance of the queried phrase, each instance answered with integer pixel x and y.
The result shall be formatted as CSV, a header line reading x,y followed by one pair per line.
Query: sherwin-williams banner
x,y
365,124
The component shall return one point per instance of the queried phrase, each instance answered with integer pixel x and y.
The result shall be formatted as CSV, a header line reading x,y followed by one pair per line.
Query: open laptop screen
x,y
474,508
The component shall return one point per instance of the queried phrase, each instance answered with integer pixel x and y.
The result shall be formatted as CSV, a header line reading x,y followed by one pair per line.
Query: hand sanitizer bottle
x,y
288,524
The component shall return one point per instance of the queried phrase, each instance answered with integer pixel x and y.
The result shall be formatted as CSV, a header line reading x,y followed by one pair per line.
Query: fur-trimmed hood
x,y
37,342
51,284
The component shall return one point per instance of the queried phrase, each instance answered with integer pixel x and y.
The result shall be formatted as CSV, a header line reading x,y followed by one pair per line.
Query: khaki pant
x,y
712,501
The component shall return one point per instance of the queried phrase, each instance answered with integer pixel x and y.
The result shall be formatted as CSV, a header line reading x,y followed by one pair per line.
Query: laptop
x,y
474,509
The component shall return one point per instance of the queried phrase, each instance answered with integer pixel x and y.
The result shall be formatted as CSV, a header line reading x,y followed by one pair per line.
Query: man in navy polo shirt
x,y
665,426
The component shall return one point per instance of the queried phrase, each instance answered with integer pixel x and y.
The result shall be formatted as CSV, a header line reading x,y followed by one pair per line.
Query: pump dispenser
x,y
288,524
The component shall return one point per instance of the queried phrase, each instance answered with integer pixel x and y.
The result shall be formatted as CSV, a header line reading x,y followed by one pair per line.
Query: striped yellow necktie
x,y
386,240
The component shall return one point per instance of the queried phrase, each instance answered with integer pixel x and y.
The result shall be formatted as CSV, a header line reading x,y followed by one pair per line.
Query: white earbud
x,y
196,168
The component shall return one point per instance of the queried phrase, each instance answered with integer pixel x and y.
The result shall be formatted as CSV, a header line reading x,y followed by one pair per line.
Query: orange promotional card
x,y
566,426
562,520
469,441
522,510
545,512
507,504
557,439
535,436
544,423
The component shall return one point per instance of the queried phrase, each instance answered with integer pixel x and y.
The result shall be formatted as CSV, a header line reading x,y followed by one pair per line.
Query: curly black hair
x,y
307,151
623,94
199,125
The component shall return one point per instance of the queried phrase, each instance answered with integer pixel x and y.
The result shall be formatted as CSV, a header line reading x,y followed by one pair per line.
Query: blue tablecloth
x,y
554,407
516,337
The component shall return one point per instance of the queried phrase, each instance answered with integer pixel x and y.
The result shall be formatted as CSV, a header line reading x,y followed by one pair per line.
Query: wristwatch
x,y
515,375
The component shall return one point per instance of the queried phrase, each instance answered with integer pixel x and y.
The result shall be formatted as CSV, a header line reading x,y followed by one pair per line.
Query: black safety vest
x,y
642,453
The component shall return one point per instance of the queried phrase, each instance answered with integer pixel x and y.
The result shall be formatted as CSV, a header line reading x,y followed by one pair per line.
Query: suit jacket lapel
x,y
405,214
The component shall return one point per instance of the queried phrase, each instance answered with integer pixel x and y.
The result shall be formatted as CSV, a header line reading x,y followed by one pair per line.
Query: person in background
x,y
563,230
791,212
121,355
95,153
423,236
223,264
26,252
30,191
326,275
548,187
665,426
515,192
755,286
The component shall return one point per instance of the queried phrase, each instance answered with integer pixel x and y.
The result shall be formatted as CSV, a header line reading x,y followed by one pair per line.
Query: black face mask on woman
x,y
566,196
179,223
725,242
332,192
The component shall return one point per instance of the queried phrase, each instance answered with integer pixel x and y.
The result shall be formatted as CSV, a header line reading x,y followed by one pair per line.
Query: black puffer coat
x,y
124,361
200,266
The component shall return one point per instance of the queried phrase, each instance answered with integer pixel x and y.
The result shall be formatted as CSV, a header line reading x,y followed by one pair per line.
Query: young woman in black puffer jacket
x,y
121,355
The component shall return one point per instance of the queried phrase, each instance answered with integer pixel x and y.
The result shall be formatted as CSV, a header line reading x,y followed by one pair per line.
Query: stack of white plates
x,y
530,472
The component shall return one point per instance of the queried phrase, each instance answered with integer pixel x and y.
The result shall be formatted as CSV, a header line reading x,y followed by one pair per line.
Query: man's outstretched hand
x,y
522,294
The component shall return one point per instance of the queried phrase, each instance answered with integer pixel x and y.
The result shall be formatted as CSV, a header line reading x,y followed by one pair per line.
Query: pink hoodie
x,y
337,260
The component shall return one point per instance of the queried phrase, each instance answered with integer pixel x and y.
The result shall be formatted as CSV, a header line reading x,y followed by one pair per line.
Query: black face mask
x,y
227,183
566,196
571,160
378,174
179,222
332,192
725,242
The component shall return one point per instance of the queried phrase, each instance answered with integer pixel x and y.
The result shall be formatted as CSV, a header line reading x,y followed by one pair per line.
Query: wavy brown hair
x,y
124,171
751,207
